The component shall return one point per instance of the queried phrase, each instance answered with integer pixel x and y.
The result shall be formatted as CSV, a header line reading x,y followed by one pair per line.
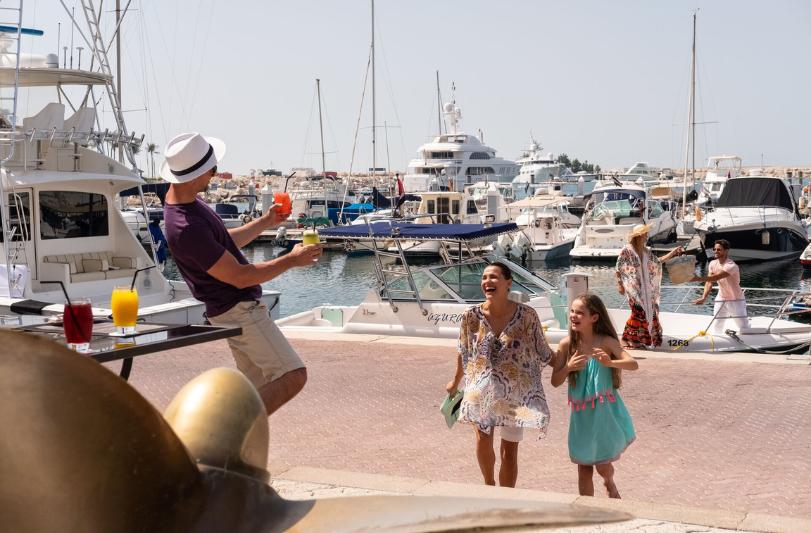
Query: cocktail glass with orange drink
x,y
124,303
283,199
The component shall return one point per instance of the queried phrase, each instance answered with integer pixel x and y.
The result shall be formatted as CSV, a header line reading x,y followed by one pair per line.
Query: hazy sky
x,y
602,81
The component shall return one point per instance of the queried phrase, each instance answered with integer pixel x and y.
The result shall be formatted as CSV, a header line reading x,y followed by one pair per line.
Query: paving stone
x,y
731,436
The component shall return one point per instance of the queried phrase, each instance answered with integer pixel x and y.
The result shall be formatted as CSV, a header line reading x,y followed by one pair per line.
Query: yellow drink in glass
x,y
124,303
310,236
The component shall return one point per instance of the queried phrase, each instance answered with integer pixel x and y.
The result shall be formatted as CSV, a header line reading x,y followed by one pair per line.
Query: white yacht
x,y
641,169
536,168
614,209
60,221
719,169
759,217
430,301
476,205
455,160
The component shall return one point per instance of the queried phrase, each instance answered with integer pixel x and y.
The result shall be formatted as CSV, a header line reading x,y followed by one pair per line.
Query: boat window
x,y
471,207
440,155
431,208
427,288
19,216
455,207
443,206
465,280
69,214
480,155
480,171
655,209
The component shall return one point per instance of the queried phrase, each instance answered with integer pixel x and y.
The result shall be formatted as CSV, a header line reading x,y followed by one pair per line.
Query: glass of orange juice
x,y
124,303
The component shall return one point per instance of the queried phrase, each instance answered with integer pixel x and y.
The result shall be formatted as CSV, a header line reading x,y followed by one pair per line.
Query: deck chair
x,y
52,116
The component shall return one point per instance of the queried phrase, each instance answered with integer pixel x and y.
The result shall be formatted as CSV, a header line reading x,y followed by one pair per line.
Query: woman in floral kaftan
x,y
502,350
639,277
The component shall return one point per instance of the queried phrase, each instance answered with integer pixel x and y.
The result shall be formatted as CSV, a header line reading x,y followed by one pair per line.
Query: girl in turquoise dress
x,y
591,358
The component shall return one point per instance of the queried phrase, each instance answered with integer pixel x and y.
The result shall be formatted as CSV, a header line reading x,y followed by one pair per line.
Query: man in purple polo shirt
x,y
209,259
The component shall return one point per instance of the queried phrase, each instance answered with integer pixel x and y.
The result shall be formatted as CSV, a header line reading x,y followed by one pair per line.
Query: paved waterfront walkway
x,y
733,436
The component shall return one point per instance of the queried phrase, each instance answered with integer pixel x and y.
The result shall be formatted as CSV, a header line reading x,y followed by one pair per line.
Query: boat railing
x,y
85,138
779,303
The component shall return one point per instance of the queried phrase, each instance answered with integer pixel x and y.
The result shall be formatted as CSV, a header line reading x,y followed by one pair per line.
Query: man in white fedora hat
x,y
209,259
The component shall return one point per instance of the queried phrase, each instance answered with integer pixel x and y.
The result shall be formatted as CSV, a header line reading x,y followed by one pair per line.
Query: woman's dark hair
x,y
505,270
723,243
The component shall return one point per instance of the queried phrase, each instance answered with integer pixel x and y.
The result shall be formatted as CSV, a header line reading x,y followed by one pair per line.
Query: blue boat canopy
x,y
407,230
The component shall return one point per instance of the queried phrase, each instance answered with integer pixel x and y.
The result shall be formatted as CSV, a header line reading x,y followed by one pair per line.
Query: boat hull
x,y
747,245
682,331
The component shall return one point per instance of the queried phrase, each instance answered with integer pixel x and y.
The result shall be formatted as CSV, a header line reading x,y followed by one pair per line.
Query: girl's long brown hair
x,y
603,326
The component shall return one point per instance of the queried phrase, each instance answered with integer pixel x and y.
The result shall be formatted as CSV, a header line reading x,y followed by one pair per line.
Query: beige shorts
x,y
512,434
262,352
508,433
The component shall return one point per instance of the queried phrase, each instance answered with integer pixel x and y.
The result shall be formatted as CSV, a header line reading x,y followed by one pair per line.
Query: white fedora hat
x,y
189,156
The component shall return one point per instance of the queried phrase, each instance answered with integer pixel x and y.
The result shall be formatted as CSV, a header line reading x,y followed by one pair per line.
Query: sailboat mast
x,y
374,116
438,104
693,102
321,129
691,117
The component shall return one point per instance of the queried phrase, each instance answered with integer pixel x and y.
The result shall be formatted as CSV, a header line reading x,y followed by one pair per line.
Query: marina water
x,y
340,279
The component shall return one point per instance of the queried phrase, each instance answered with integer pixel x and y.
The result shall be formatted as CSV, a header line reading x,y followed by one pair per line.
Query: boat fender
x,y
765,237
803,203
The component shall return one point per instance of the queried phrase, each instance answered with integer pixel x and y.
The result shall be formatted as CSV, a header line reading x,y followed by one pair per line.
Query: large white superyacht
x,y
537,169
454,160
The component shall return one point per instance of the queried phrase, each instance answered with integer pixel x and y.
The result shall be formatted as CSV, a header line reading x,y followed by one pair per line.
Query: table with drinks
x,y
123,337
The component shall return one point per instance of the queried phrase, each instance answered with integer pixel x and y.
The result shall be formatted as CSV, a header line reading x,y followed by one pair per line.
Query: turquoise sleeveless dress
x,y
600,427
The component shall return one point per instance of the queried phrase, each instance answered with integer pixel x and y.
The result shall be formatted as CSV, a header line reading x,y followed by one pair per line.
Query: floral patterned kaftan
x,y
503,373
642,279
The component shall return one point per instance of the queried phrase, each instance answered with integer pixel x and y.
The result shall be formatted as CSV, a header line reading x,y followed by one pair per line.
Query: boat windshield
x,y
618,208
465,279
427,288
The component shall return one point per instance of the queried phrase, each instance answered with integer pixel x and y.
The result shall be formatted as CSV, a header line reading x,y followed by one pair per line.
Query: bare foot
x,y
612,490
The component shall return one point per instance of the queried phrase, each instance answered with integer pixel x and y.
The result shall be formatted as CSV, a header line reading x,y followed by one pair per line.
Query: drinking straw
x,y
134,276
70,306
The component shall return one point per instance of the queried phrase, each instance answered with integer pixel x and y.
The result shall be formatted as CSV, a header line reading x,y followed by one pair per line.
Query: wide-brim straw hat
x,y
189,156
638,230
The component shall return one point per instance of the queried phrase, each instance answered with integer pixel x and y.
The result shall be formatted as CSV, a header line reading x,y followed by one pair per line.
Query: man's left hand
x,y
273,216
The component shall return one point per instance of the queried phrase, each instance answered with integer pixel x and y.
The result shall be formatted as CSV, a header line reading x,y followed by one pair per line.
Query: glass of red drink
x,y
78,322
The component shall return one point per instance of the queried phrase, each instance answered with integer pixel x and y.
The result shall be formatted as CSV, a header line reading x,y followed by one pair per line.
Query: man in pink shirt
x,y
730,304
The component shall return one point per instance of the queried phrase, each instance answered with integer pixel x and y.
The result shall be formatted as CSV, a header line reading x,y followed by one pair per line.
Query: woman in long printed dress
x,y
639,277
502,350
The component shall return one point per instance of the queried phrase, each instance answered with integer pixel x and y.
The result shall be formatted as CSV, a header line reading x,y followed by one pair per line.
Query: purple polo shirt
x,y
198,238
